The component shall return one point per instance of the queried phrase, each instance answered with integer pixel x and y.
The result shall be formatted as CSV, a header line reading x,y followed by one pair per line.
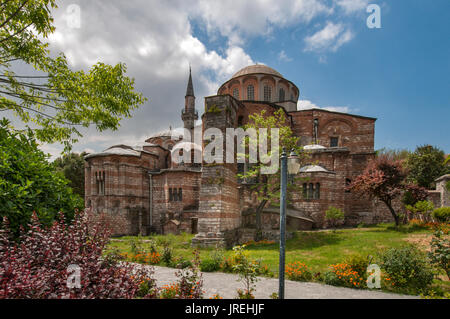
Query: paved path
x,y
226,285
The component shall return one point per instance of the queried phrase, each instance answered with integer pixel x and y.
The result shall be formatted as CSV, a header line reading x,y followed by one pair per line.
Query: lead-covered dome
x,y
257,68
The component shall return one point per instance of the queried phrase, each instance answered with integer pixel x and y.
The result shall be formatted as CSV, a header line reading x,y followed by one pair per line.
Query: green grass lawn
x,y
318,249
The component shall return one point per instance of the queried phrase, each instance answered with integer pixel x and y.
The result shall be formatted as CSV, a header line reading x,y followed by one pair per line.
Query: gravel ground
x,y
226,285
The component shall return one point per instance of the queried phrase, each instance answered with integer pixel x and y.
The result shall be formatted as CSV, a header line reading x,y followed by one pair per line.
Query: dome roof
x,y
314,169
314,147
257,68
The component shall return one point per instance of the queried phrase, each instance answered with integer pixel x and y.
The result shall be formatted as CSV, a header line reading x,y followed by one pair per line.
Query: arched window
x,y
100,181
311,190
174,194
317,191
250,92
305,190
236,93
281,95
267,93
180,194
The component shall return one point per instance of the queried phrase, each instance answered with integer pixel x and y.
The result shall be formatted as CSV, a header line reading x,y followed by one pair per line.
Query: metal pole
x,y
283,190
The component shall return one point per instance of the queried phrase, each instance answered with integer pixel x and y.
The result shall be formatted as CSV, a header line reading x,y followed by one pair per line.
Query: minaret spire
x,y
189,115
190,86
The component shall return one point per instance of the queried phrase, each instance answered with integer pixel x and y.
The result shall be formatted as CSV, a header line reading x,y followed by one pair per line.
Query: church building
x,y
141,190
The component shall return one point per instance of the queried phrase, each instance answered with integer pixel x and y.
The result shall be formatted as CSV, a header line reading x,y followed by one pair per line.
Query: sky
x,y
399,73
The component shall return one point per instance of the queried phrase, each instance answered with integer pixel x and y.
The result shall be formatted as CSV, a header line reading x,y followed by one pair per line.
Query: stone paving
x,y
226,285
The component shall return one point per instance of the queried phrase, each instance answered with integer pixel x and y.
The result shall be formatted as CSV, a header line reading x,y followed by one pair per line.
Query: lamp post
x,y
289,165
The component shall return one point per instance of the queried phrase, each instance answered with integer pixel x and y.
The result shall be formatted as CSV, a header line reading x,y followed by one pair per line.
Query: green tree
x,y
426,164
28,182
54,99
333,215
72,166
267,186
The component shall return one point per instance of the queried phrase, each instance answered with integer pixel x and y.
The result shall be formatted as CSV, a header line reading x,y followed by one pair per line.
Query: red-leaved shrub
x,y
36,265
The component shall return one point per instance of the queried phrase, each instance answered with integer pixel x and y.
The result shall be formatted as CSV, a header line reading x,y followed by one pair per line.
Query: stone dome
x,y
257,68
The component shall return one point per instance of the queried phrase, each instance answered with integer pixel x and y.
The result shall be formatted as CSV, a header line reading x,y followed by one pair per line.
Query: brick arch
x,y
268,78
337,120
250,80
232,84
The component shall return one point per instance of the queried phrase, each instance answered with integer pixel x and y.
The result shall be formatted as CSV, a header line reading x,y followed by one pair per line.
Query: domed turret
x,y
261,83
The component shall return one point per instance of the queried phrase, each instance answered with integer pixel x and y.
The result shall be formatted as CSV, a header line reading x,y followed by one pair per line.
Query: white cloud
x,y
282,56
236,19
330,38
352,6
307,105
156,41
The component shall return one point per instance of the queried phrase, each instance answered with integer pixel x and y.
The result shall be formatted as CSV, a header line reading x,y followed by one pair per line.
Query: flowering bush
x,y
298,271
36,266
343,275
189,284
407,268
143,258
170,291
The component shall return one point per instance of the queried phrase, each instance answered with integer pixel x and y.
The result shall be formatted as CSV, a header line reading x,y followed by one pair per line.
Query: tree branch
x,y
14,14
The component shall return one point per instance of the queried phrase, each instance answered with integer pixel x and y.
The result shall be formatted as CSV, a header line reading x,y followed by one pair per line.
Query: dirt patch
x,y
421,241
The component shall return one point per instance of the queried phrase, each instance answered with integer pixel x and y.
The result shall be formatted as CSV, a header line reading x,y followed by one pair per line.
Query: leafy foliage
x,y
72,166
37,267
267,186
442,214
407,268
440,252
413,194
29,183
247,270
55,99
426,164
421,209
333,215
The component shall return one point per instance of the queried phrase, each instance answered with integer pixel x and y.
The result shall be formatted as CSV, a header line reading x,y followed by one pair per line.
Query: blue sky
x,y
399,74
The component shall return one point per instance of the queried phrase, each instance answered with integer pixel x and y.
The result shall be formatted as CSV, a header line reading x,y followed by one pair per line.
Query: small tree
x,y
333,215
382,179
267,186
426,164
247,270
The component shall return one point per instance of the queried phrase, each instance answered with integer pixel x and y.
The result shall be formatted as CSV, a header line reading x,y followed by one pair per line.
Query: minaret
x,y
189,115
